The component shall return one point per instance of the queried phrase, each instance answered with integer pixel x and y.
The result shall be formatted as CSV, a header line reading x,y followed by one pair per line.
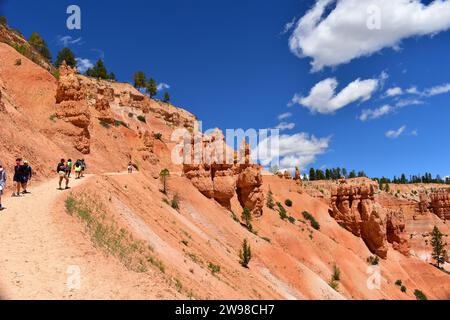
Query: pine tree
x,y
3,21
152,88
247,217
40,45
163,175
270,203
439,253
245,254
312,174
352,174
66,55
98,71
140,80
166,97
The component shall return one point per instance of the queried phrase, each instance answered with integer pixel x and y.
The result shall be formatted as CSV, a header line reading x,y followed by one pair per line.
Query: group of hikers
x,y
23,174
64,170
21,178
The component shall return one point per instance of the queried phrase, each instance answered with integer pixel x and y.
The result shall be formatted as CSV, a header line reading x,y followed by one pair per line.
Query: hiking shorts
x,y
17,178
62,174
2,188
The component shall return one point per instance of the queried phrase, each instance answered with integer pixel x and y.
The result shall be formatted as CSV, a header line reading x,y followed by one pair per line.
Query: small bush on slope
x,y
106,236
420,295
313,220
282,211
288,203
245,254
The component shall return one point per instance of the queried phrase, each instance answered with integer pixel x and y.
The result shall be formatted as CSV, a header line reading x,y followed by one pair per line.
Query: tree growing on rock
x,y
439,253
140,80
166,98
164,174
66,55
247,217
152,88
3,21
245,254
38,43
270,203
99,71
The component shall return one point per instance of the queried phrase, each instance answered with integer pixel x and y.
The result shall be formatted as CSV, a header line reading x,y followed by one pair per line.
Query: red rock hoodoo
x,y
219,173
354,207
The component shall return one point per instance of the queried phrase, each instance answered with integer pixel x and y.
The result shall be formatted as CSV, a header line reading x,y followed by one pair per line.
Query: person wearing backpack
x,y
18,174
2,184
78,169
61,170
26,176
69,167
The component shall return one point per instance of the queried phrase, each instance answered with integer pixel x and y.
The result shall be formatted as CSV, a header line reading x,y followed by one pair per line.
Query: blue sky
x,y
236,64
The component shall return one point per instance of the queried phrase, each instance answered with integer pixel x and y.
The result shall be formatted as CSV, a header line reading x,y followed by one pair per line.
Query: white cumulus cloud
x,y
394,134
162,86
285,126
334,32
297,150
369,114
392,92
324,99
83,64
284,116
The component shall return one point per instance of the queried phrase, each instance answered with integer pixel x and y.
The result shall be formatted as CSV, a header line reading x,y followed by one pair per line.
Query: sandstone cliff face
x,y
354,208
437,202
72,107
218,179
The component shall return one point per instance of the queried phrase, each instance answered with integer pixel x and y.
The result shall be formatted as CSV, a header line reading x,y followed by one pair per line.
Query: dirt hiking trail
x,y
39,261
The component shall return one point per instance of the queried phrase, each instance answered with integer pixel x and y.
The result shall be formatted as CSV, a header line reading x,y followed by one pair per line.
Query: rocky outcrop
x,y
287,175
396,231
72,107
220,174
354,207
437,202
297,176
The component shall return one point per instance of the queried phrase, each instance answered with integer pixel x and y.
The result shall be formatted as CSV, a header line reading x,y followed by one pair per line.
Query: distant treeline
x,y
336,173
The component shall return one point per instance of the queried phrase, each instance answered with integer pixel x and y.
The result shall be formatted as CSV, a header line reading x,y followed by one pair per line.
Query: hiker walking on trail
x,y
18,174
26,176
83,167
69,167
61,169
2,184
130,167
77,169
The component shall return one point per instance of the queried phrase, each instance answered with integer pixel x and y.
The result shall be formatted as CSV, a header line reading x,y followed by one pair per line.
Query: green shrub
x,y
291,220
270,203
420,295
288,203
247,218
157,136
52,117
142,119
311,219
373,260
105,124
335,278
175,202
130,114
403,289
245,254
119,123
398,283
214,268
18,62
282,211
